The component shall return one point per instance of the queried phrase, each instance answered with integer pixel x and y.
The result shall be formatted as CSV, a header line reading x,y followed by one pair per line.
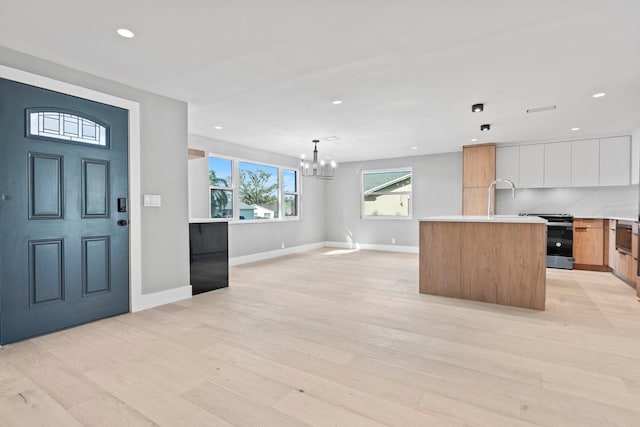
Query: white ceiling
x,y
407,70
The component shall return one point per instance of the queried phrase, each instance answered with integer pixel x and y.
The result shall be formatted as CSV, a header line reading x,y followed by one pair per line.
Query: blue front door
x,y
64,238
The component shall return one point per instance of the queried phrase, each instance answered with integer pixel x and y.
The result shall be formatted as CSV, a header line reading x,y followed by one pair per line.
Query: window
x,y
258,190
290,188
386,193
65,126
221,187
248,191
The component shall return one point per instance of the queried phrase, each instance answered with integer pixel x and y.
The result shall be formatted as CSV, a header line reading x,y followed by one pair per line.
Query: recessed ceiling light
x,y
575,129
477,108
474,139
485,127
336,102
127,34
599,95
218,127
414,148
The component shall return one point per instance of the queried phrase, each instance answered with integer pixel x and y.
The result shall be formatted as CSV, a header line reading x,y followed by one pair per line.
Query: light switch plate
x,y
152,201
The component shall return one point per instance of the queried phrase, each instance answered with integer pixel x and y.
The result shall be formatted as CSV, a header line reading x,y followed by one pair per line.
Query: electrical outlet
x,y
393,240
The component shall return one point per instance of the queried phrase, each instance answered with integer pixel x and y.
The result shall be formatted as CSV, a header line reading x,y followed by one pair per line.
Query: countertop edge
x,y
493,219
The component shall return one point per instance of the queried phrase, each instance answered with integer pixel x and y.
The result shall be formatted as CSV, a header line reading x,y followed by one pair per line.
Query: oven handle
x,y
559,224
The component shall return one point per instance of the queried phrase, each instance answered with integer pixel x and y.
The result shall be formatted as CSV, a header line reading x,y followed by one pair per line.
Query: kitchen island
x,y
497,259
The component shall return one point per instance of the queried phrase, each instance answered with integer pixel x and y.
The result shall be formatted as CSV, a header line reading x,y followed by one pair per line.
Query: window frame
x,y
296,193
386,217
235,178
217,187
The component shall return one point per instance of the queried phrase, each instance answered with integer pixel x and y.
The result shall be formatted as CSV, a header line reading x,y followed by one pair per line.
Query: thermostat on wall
x,y
152,201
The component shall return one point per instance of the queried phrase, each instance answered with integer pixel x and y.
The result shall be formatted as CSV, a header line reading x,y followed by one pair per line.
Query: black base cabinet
x,y
209,256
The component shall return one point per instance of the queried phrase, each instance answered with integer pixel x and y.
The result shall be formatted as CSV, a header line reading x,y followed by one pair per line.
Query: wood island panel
x,y
440,269
500,263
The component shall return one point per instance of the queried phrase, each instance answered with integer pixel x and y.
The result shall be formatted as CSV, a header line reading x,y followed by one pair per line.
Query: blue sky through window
x,y
222,168
289,178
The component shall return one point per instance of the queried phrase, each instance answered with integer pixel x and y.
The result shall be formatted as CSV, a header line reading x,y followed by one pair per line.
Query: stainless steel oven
x,y
559,239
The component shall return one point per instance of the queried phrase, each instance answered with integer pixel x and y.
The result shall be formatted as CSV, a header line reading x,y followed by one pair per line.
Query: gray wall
x,y
163,169
250,238
583,202
437,190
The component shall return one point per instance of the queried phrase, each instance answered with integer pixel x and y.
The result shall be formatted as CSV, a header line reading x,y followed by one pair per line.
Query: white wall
x,y
437,190
252,238
163,170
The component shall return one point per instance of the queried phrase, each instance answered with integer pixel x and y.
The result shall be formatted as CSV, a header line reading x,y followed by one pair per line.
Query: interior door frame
x,y
135,194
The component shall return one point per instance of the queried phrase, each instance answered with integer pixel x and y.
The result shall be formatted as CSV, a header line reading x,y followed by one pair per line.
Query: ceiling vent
x,y
541,109
331,138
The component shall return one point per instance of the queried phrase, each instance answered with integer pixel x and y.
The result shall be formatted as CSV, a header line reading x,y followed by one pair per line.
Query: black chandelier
x,y
320,170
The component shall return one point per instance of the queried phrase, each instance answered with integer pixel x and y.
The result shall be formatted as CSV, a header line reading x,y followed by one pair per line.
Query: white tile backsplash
x,y
584,202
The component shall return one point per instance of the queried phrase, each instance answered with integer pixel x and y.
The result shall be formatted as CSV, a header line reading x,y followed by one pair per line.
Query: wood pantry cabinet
x,y
478,172
590,245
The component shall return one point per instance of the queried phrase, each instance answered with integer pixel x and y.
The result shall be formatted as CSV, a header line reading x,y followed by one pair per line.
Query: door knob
x,y
123,222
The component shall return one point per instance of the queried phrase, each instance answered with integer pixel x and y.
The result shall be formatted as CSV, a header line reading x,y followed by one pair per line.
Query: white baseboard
x,y
373,247
261,256
155,299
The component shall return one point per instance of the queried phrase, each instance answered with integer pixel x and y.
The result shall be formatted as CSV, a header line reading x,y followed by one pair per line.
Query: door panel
x,y
46,271
45,186
63,257
95,188
96,265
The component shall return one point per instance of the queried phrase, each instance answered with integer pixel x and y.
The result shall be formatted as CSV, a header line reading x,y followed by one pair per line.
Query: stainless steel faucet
x,y
513,191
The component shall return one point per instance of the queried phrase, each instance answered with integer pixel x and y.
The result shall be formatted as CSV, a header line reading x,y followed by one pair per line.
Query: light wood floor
x,y
335,337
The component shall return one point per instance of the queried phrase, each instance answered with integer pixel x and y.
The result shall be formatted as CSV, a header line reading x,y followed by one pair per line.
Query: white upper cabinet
x,y
557,164
508,165
585,163
615,161
531,166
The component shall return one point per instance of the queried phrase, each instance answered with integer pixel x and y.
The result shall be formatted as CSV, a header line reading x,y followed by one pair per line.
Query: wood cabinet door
x,y
588,247
479,165
613,254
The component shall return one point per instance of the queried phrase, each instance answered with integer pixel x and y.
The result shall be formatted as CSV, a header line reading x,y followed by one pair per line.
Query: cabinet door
x,y
531,166
588,245
479,165
613,254
615,161
585,163
508,165
557,164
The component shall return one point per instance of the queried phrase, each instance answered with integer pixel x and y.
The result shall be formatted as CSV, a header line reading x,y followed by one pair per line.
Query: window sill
x,y
262,221
396,218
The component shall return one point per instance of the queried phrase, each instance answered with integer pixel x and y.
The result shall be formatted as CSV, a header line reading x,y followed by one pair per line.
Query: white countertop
x,y
618,218
205,220
484,218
